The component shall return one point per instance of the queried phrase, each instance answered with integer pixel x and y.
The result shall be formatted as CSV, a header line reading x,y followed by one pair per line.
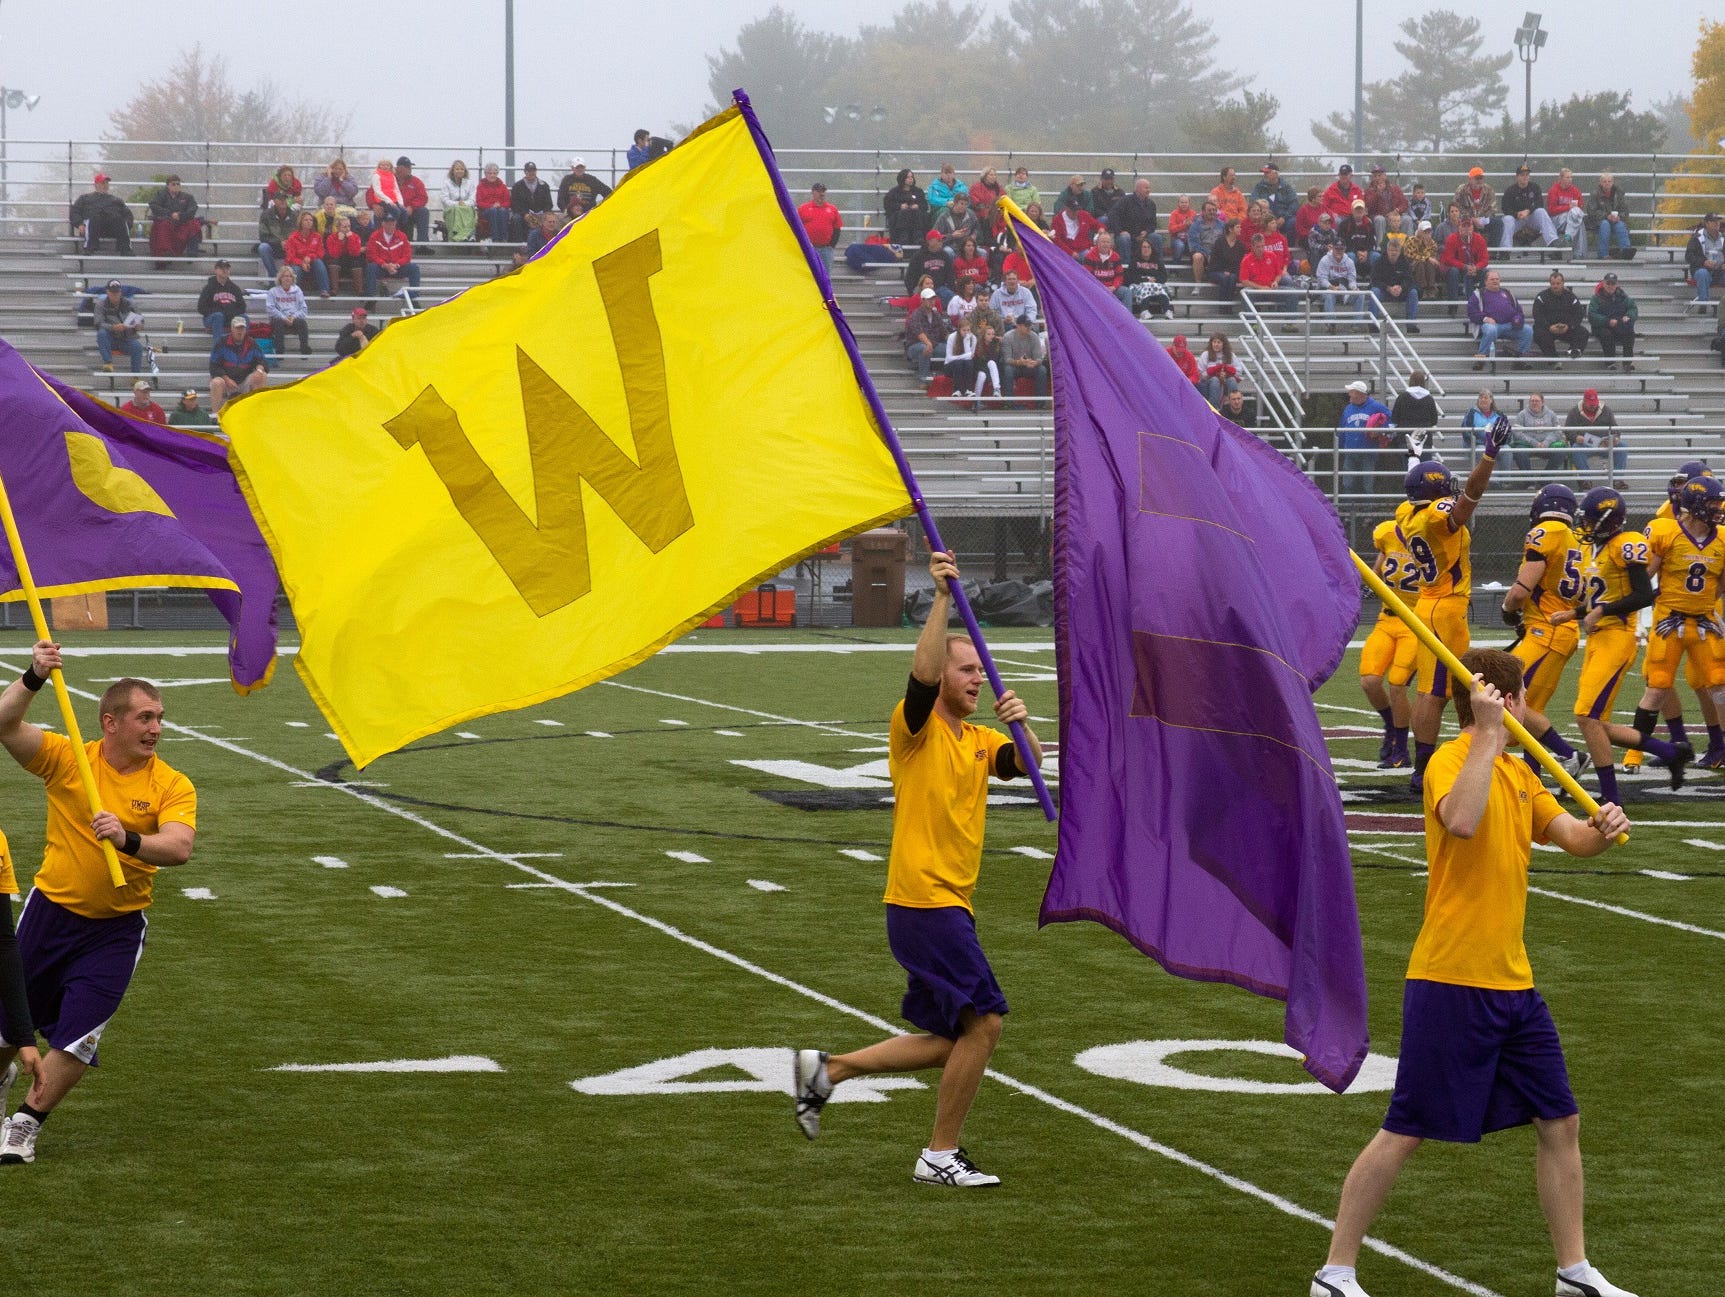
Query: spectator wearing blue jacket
x,y
1493,310
236,364
1361,417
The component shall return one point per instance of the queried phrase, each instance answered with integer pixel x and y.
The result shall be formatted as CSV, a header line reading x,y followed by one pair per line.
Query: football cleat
x,y
1682,754
1714,759
18,1140
1417,785
808,1076
1580,763
955,1171
1337,1288
1594,1285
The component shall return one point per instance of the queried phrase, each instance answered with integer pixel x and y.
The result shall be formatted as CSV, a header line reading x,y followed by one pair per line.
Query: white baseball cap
x,y
1357,386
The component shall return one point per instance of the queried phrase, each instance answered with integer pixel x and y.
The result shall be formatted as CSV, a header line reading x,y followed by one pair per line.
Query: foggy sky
x,y
588,74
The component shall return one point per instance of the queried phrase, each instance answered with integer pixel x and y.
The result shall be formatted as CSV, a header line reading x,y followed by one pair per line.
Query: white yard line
x,y
1629,914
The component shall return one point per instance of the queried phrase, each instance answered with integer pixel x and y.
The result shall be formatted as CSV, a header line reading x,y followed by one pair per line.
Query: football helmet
x,y
1553,501
1602,515
1429,480
1685,471
1703,498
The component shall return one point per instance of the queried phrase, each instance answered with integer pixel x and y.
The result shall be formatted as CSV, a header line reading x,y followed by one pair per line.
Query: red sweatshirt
x,y
491,193
391,251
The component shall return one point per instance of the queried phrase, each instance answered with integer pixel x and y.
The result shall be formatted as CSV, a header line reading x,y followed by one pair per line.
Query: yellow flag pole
x,y
115,873
1517,731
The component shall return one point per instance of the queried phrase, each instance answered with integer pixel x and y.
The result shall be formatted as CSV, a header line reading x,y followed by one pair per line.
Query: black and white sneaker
x,y
954,1169
1682,754
1579,763
18,1140
1337,1288
1594,1285
812,1088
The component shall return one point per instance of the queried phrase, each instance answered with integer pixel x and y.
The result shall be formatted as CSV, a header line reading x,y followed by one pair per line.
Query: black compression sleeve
x,y
919,701
20,1029
1639,597
1006,763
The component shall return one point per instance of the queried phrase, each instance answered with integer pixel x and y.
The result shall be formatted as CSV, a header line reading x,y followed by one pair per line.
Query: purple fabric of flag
x,y
1203,590
88,524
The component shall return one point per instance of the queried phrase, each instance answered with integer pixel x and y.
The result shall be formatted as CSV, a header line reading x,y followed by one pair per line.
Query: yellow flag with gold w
x,y
539,483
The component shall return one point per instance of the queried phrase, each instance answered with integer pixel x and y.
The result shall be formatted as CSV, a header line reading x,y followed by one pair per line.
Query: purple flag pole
x,y
1022,741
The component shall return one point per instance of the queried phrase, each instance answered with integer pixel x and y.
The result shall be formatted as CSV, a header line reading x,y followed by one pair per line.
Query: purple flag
x,y
108,502
1203,589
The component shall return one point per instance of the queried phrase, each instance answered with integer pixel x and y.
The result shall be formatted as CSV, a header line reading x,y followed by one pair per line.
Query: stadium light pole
x,y
1359,75
13,100
509,87
1529,40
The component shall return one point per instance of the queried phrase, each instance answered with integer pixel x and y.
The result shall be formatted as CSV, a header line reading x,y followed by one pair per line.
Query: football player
x,y
1387,661
1548,586
1432,526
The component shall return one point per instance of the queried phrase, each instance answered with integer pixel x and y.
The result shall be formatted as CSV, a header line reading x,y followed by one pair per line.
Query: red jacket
x,y
1016,263
301,248
1338,204
1305,217
1184,358
412,192
1561,197
272,189
1462,255
384,250
1080,242
1109,272
982,201
338,246
1381,202
1261,272
491,193
152,412
822,221
974,269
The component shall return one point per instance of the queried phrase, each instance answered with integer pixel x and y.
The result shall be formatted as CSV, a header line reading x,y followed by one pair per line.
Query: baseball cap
x,y
99,179
1611,276
224,264
1590,396
1475,173
818,188
191,392
1108,173
1357,386
1023,317
1523,170
404,161
1711,216
359,312
577,162
114,283
1268,167
1345,170
1360,203
388,215
1378,169
141,386
1423,225
238,319
927,293
530,166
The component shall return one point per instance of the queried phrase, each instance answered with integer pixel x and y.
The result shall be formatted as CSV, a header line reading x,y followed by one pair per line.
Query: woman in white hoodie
x,y
460,215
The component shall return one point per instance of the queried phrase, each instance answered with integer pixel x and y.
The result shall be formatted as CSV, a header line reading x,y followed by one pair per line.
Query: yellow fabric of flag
x,y
541,482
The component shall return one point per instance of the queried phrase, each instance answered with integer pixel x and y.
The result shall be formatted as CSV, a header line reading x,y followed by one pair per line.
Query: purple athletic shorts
x,y
76,971
1474,1061
944,963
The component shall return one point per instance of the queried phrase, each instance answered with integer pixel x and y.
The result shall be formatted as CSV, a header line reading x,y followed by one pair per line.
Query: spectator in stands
x,y
1335,275
1026,355
906,209
220,300
100,215
910,301
1105,266
1612,314
988,358
1358,436
960,354
1524,211
944,187
527,197
388,254
1020,190
326,215
1392,281
1239,409
275,223
337,184
963,303
1275,191
1180,218
1419,206
1134,216
545,226
957,222
415,220
1477,422
1074,229
304,251
1106,194
1382,198
492,199
1276,245
1559,319
581,181
1229,198
934,260
142,407
175,230
1395,231
639,155
236,364
286,307
1567,207
460,211
1537,428
1201,237
972,265
1605,208
366,221
1477,202
186,414
1465,258
1359,237
344,257
873,250
985,196
1073,195
1493,310
118,325
1307,213
1016,264
1180,352
355,335
1262,269
1414,410
822,223
1591,428
1256,220
285,183
1217,372
925,331
1320,239
1705,257
1338,199
1038,218
1012,300
1422,255
1146,280
1222,266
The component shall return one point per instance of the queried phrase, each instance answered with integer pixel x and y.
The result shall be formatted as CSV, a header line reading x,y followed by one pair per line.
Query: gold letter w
x,y
547,561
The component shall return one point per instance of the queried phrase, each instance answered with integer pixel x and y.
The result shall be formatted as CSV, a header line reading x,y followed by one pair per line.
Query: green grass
x,y
186,1165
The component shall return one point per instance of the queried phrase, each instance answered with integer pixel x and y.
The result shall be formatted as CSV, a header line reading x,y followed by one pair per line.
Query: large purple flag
x,y
108,502
1203,589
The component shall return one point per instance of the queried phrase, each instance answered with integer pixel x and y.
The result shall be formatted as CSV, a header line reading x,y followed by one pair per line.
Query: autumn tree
x,y
1700,182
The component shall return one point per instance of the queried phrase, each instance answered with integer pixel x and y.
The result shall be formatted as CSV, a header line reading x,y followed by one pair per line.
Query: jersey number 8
x,y
1696,581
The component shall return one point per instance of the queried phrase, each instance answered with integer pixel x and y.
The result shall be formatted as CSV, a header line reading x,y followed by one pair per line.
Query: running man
x,y
1387,660
80,937
940,766
14,1002
1549,586
1479,1051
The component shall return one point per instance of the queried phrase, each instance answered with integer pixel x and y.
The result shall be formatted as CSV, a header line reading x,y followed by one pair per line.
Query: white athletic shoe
x,y
1594,1285
1337,1288
6,1079
810,1084
1580,763
956,1171
18,1142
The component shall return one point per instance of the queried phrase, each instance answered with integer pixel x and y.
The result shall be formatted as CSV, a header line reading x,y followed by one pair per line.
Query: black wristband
x,y
132,843
30,680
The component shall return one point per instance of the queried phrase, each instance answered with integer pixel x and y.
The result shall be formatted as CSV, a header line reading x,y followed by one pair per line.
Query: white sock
x,y
1332,1272
938,1159
1581,1270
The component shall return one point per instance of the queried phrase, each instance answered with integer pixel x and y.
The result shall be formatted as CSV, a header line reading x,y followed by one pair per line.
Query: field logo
x,y
764,1071
1146,1062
